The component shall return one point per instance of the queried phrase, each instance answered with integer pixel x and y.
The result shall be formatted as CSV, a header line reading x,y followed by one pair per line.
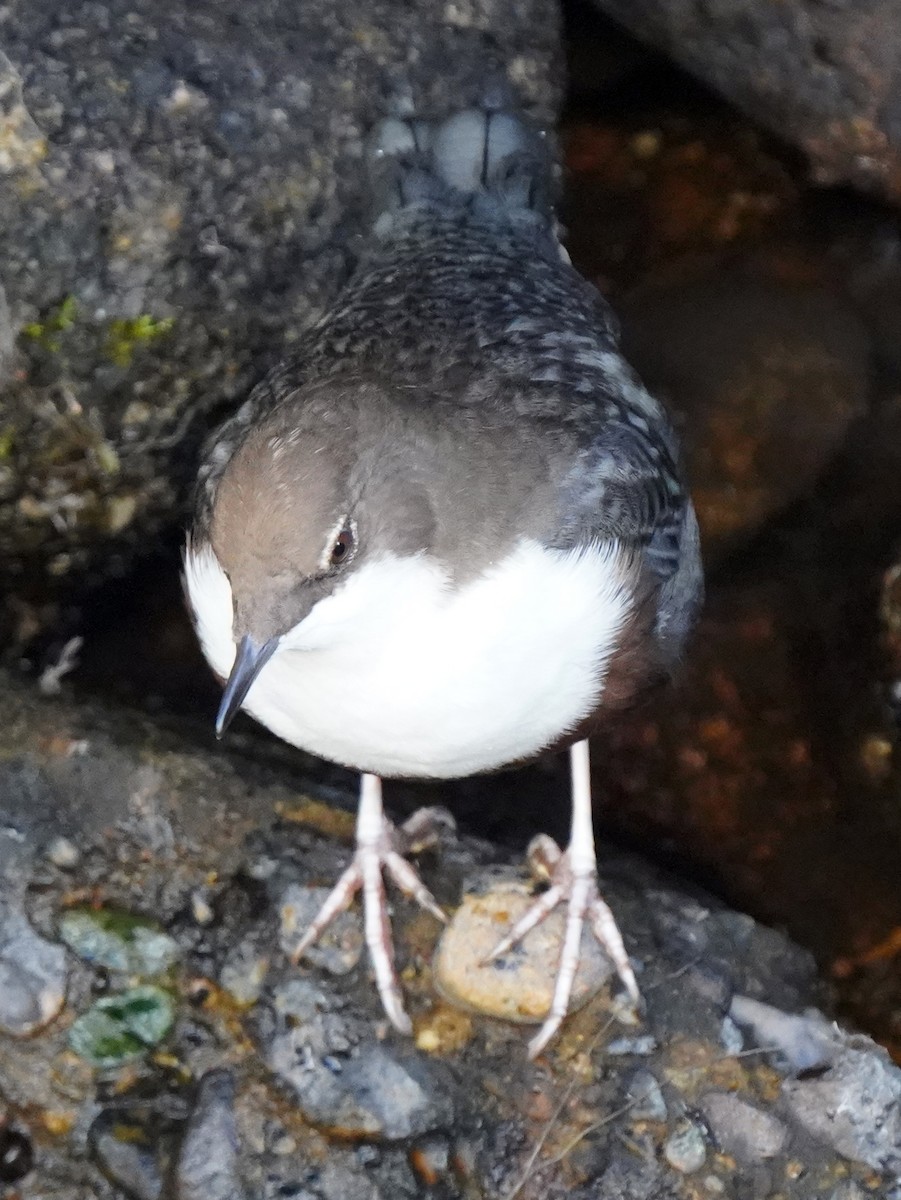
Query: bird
x,y
450,533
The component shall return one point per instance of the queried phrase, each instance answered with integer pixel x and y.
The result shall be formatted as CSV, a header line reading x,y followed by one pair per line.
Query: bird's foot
x,y
382,846
576,885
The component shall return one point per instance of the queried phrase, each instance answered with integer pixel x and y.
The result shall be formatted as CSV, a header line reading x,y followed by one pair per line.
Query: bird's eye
x,y
342,548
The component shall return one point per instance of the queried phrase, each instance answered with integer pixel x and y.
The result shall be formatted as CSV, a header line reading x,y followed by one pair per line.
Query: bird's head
x,y
306,501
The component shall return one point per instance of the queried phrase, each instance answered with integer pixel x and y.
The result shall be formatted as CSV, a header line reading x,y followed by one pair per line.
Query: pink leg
x,y
573,878
380,846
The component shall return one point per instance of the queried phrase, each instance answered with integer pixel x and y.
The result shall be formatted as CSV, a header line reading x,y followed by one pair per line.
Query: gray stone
x,y
376,1094
743,1129
244,971
641,1046
806,1040
33,976
855,1106
645,1097
208,1162
685,1150
127,1155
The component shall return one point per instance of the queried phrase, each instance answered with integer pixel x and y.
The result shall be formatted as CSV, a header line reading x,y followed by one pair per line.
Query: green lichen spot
x,y
118,940
125,335
118,1029
58,320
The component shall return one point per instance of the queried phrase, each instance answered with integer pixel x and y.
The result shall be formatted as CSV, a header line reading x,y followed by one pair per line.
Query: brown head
x,y
313,492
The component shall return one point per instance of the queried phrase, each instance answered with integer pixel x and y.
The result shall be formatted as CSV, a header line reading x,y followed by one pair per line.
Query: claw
x,y
381,847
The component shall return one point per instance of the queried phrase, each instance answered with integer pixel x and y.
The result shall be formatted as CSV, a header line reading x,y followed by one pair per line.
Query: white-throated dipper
x,y
449,533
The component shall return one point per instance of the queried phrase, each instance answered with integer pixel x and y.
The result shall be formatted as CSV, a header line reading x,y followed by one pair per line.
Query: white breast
x,y
399,673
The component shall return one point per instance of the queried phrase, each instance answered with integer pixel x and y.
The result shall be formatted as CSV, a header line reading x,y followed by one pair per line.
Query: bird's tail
x,y
489,158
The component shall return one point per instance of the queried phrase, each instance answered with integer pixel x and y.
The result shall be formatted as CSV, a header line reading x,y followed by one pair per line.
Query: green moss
x,y
125,335
57,320
7,441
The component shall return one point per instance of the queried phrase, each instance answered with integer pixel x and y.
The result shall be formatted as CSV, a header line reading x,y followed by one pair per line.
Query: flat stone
x,y
375,1095
743,1129
519,985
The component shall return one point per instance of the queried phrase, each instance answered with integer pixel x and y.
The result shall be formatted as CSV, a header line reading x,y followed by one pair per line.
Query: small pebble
x,y
685,1150
63,853
731,1038
742,1129
646,1102
201,909
632,1045
244,971
518,986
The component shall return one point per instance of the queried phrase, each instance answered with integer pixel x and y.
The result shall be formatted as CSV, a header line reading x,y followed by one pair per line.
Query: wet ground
x,y
770,314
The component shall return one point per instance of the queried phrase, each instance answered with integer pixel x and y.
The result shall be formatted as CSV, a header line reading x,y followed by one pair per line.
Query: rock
x,y
16,1155
126,1152
645,1098
821,76
376,1094
765,374
806,1040
743,1130
32,976
632,1045
339,949
328,1101
854,1106
207,1166
180,191
244,971
518,986
685,1149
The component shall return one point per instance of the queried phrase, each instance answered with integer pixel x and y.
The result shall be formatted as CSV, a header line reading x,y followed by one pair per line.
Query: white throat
x,y
399,672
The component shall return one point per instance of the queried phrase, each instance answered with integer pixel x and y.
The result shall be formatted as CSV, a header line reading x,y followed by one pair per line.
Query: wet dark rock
x,y
327,1101
765,373
822,76
743,1129
16,1155
180,191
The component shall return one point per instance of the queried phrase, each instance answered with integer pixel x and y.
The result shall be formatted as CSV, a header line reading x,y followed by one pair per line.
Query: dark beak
x,y
249,661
